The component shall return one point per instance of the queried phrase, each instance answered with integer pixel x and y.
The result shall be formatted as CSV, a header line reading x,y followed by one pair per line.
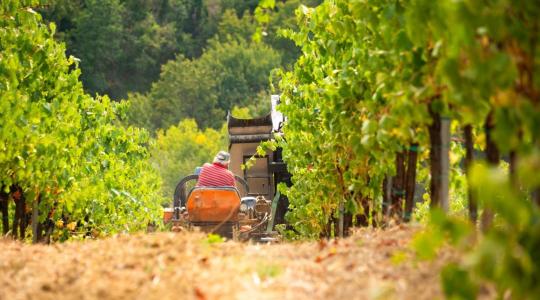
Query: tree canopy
x,y
227,74
122,43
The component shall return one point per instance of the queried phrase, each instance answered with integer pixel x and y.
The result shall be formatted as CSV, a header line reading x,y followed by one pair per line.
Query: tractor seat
x,y
213,204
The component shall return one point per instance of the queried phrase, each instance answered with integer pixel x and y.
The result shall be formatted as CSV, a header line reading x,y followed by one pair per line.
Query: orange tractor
x,y
244,212
222,210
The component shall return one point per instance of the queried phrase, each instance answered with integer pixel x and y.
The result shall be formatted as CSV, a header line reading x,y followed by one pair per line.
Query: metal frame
x,y
268,175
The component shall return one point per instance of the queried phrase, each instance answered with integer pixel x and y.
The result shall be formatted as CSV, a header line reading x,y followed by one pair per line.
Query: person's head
x,y
222,158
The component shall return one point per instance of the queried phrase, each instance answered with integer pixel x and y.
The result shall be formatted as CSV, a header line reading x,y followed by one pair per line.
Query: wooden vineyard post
x,y
469,158
398,186
341,216
4,198
439,135
445,163
492,156
387,193
410,181
35,221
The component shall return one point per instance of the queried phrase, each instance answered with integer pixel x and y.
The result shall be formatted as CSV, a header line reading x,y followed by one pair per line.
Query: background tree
x,y
123,43
99,27
227,74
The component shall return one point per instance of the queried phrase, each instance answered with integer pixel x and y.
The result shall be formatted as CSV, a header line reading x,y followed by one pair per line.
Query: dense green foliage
x,y
68,152
366,90
372,82
507,255
231,71
227,74
352,101
376,78
175,59
123,43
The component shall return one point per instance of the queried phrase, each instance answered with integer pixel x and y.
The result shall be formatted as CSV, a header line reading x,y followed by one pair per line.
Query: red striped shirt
x,y
215,175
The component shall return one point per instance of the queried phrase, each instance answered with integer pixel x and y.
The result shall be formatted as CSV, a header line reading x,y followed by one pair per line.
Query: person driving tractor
x,y
217,173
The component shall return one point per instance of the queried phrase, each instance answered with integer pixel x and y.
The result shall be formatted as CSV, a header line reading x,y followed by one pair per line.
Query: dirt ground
x,y
191,266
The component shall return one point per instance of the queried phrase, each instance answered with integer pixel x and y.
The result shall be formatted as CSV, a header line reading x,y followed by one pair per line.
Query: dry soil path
x,y
189,266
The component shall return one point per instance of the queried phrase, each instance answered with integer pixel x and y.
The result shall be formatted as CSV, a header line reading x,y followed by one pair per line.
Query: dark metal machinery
x,y
255,205
268,171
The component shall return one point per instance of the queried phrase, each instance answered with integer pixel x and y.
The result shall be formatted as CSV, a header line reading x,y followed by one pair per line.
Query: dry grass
x,y
187,266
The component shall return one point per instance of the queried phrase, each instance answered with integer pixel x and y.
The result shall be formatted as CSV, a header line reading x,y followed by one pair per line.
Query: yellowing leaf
x,y
71,226
59,224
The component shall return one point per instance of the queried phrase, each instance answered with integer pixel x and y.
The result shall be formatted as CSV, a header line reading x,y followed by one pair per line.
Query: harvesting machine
x,y
250,210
